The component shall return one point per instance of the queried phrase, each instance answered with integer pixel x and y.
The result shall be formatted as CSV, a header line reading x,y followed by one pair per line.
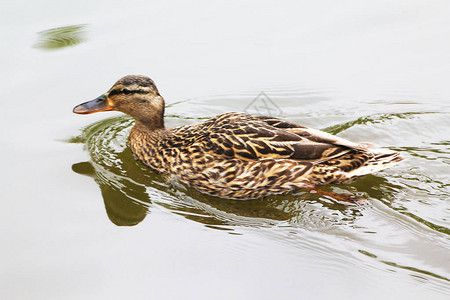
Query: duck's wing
x,y
248,137
313,134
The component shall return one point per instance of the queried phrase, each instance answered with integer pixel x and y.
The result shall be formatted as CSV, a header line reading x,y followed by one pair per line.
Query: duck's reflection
x,y
130,190
121,208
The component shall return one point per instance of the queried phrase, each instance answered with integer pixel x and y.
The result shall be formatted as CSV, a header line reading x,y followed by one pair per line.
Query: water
x,y
83,220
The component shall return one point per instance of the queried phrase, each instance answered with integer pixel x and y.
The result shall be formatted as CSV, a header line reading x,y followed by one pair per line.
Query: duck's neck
x,y
150,116
149,128
149,125
144,141
151,119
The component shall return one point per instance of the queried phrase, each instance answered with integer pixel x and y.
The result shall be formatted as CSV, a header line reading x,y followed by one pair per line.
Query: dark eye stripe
x,y
139,92
114,92
125,91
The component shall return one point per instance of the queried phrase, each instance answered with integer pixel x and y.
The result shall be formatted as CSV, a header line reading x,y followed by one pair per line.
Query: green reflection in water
x,y
61,37
373,119
130,190
415,270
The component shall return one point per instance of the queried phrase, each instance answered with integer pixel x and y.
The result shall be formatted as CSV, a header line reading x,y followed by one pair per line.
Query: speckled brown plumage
x,y
237,155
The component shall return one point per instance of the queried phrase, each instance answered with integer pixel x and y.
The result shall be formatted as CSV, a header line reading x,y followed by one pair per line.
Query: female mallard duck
x,y
236,155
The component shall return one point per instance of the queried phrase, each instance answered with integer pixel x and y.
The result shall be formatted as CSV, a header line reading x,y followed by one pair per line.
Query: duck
x,y
236,155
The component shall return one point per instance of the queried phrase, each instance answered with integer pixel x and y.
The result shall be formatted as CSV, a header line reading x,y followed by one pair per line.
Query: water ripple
x,y
407,206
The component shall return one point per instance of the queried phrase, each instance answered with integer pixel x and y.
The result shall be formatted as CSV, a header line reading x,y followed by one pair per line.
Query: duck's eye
x,y
126,91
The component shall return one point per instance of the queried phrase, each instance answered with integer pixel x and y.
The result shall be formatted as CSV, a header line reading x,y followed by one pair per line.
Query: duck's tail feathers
x,y
383,159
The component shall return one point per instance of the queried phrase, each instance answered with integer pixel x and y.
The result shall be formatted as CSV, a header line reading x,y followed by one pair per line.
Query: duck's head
x,y
135,95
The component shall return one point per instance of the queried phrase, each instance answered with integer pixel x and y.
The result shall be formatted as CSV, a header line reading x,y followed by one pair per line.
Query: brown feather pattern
x,y
237,155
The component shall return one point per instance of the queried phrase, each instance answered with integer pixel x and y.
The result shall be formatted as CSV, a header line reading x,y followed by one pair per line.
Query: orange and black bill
x,y
98,104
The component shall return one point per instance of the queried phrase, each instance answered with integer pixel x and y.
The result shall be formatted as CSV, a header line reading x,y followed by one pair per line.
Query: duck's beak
x,y
96,105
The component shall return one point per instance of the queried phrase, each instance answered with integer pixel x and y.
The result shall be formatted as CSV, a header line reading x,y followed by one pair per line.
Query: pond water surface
x,y
81,219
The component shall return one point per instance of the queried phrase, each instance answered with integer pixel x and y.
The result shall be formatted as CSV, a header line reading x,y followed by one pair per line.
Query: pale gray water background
x,y
368,71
